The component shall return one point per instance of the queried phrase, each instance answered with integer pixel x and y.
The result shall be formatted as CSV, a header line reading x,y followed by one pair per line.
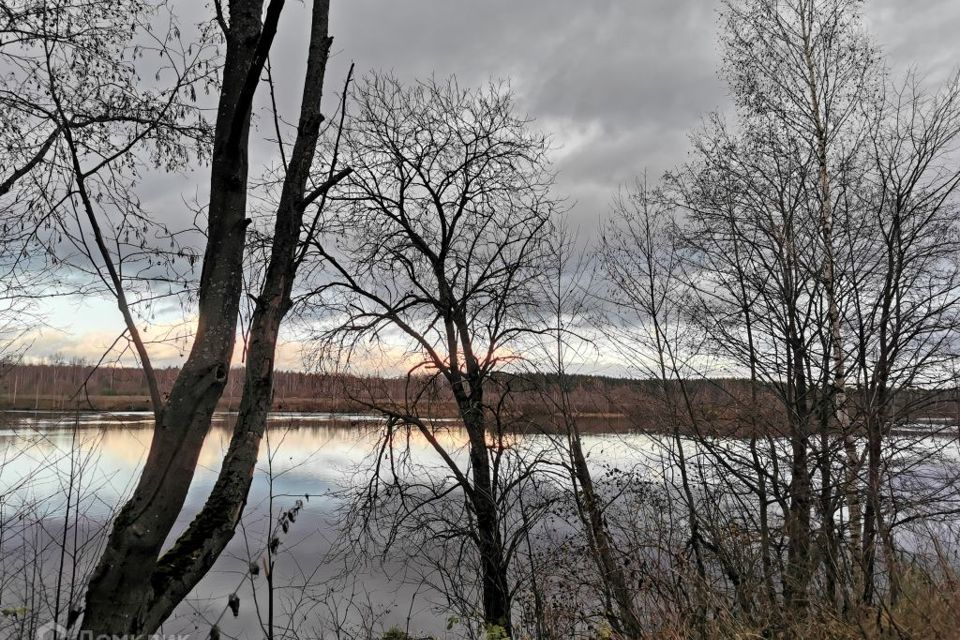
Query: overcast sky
x,y
617,83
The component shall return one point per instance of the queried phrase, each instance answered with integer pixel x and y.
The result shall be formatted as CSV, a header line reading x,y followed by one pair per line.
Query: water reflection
x,y
95,458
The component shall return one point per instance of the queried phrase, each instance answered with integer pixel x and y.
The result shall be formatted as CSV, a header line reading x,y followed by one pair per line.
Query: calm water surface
x,y
316,458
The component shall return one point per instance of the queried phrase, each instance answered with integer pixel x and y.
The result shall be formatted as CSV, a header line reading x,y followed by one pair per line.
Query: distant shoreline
x,y
304,406
24,402
589,422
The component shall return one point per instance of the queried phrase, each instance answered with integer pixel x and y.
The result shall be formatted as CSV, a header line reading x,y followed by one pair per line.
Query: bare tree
x,y
439,240
202,379
567,307
904,306
808,252
807,66
754,296
97,119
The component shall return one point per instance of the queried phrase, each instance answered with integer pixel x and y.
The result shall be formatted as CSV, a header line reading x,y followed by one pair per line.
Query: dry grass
x,y
927,608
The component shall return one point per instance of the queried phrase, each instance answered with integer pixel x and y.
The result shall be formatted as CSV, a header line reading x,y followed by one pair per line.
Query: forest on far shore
x,y
606,403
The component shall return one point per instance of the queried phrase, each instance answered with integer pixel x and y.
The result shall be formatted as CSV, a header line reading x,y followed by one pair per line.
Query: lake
x,y
329,579
319,459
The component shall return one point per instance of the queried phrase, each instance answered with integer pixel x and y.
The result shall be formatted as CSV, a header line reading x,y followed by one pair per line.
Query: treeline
x,y
607,403
67,384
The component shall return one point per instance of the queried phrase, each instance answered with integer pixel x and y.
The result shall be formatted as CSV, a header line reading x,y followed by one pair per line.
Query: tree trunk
x,y
121,591
797,578
626,619
798,570
879,412
493,562
837,384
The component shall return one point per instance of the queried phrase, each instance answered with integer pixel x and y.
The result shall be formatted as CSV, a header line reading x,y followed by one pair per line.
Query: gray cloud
x,y
618,83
